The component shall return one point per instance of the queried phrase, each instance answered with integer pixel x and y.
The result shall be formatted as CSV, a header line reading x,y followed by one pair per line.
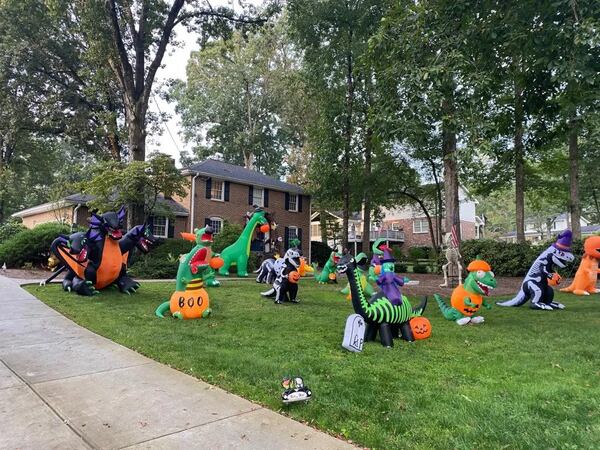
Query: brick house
x,y
406,226
216,192
220,192
73,209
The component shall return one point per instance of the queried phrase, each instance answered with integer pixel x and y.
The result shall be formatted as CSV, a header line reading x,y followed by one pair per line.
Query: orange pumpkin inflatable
x,y
264,228
555,280
294,277
216,262
421,327
190,304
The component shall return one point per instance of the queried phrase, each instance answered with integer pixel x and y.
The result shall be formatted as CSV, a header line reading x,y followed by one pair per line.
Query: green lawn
x,y
524,379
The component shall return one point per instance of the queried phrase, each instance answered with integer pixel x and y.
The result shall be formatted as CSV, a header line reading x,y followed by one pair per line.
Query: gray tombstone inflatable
x,y
354,334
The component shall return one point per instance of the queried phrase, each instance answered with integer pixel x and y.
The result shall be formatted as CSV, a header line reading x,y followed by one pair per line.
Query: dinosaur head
x,y
292,256
143,236
110,223
560,252
346,263
335,257
591,247
77,244
481,279
362,261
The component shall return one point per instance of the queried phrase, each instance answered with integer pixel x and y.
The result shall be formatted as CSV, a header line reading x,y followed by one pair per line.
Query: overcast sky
x,y
175,62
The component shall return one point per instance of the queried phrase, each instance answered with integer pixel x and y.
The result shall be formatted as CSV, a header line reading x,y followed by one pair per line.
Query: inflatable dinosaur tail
x,y
520,299
447,311
162,309
420,309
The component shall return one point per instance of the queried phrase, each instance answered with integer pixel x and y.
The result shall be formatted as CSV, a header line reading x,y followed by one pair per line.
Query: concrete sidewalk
x,y
64,387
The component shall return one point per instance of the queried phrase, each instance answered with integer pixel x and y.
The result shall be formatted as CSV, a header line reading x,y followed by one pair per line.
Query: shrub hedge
x,y
31,246
320,252
9,228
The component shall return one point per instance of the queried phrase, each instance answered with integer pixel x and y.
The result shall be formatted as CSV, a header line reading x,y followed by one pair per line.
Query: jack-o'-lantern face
x,y
294,277
332,276
192,304
555,279
591,247
421,327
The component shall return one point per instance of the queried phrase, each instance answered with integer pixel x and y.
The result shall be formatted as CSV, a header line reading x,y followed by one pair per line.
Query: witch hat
x,y
564,240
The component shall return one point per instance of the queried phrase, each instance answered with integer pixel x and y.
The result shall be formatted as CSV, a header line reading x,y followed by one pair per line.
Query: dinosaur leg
x,y
83,287
67,282
371,332
210,280
224,270
537,297
549,299
578,292
406,332
293,292
162,309
125,283
242,266
385,334
448,312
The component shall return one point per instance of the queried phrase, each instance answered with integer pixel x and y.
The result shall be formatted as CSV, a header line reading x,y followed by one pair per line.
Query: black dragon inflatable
x,y
98,258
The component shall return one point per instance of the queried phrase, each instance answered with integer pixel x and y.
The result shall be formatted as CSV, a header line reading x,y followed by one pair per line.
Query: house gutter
x,y
192,202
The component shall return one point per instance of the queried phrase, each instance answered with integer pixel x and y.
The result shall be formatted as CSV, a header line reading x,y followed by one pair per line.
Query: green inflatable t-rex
x,y
328,269
238,252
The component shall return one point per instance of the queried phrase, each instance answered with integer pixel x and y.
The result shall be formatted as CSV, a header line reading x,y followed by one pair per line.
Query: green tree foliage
x,y
138,183
228,235
235,100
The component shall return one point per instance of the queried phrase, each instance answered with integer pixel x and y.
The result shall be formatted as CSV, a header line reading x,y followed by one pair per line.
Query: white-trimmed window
x,y
396,226
217,224
292,233
160,226
293,202
217,191
258,196
420,226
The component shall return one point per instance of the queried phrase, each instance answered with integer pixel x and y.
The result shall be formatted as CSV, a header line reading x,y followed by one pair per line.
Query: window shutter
x,y
299,203
208,187
207,222
266,198
287,201
226,188
286,238
250,194
171,229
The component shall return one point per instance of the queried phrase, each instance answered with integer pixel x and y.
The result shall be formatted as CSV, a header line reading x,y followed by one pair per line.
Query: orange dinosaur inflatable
x,y
585,279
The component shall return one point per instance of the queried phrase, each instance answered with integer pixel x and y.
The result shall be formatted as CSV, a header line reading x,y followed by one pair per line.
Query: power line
x,y
166,125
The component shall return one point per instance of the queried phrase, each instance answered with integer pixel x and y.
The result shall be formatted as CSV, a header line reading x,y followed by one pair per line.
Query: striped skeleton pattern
x,y
381,309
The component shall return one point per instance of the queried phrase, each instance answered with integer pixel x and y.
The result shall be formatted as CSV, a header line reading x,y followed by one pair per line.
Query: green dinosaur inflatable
x,y
328,273
362,262
190,300
467,298
238,252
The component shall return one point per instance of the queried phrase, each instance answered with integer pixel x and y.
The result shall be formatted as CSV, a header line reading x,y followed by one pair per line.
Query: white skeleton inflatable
x,y
282,287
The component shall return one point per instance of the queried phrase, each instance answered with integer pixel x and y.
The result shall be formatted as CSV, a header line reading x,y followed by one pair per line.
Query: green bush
x,y
400,267
228,235
415,253
9,228
154,268
319,252
420,268
31,246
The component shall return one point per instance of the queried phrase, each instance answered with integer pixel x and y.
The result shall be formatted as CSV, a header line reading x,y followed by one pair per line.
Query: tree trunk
x,y
366,232
437,242
574,204
348,140
519,163
450,167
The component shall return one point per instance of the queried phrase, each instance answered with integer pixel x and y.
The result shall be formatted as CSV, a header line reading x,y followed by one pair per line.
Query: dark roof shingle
x,y
231,172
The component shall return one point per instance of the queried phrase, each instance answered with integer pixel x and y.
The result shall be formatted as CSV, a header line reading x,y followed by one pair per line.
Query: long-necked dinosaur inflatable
x,y
102,253
238,252
379,312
